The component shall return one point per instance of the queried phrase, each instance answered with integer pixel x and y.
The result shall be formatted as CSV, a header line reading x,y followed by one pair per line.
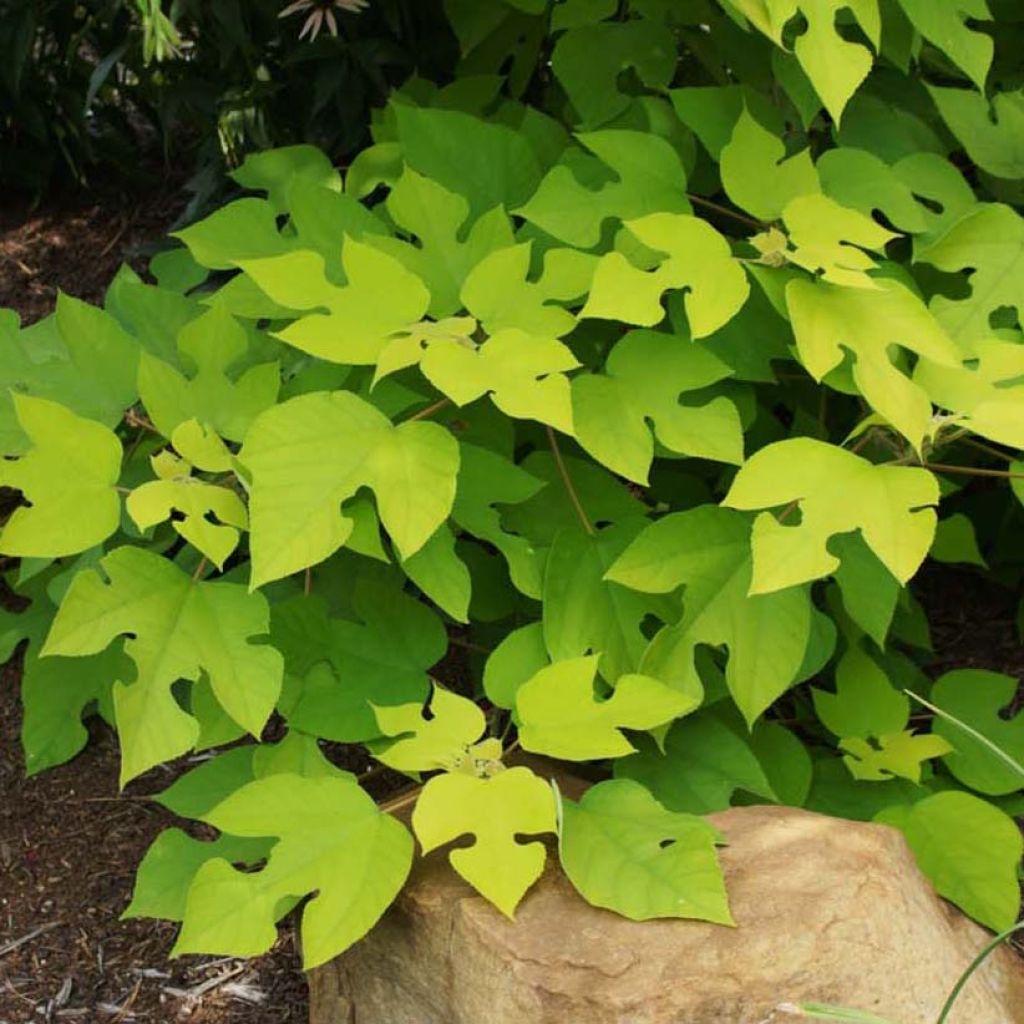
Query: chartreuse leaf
x,y
495,811
624,851
968,849
944,25
988,395
380,298
835,66
697,258
703,763
499,292
437,219
645,376
836,492
755,175
559,714
828,240
584,612
179,628
332,839
649,177
243,230
976,697
212,515
444,740
898,754
311,453
827,320
275,171
988,243
991,132
865,702
213,343
707,551
68,477
523,373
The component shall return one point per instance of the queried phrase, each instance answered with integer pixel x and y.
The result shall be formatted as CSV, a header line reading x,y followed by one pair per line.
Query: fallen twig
x,y
10,947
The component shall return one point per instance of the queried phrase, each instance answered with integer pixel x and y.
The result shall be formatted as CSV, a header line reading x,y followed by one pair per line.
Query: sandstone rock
x,y
827,910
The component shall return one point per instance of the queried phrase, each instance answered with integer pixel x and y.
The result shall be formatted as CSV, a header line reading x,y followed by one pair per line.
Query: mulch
x,y
69,842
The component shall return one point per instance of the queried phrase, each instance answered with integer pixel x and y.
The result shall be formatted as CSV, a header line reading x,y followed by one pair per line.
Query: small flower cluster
x,y
321,12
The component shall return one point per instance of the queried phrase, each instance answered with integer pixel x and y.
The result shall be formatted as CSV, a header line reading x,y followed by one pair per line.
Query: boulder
x,y
827,910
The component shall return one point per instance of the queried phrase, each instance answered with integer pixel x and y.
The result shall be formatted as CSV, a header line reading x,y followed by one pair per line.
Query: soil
x,y
75,244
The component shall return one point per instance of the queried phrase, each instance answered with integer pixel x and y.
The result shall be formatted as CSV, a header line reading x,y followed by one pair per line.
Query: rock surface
x,y
827,910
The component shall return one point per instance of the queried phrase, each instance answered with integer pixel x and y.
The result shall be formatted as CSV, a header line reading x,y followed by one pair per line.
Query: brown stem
x,y
200,569
307,583
563,472
429,410
403,800
725,211
1002,474
135,419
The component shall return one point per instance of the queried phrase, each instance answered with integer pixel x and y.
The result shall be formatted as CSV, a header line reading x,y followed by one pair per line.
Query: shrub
x,y
610,426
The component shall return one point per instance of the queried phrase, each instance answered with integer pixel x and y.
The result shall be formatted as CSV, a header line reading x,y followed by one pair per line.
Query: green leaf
x,y
703,763
976,697
836,491
987,243
201,788
495,811
274,171
862,181
624,851
437,218
585,613
179,628
992,133
645,376
68,478
243,230
865,702
955,541
519,656
348,667
213,342
755,175
311,453
944,25
698,258
588,61
488,163
869,591
170,864
969,850
648,178
380,298
707,550
559,716
332,840
421,744
198,502
900,754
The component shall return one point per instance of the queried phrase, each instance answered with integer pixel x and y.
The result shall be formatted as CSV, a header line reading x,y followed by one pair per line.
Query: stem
x,y
401,801
134,419
975,964
563,472
307,583
200,569
1002,474
995,749
718,208
429,410
987,448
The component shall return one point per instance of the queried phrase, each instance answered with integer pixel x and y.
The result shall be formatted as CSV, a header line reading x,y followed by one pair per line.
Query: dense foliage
x,y
611,426
85,85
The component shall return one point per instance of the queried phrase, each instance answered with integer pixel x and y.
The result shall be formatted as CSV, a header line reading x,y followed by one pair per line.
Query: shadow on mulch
x,y
76,243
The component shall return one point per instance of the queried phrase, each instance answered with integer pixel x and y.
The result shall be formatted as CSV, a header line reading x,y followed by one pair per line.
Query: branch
x,y
563,471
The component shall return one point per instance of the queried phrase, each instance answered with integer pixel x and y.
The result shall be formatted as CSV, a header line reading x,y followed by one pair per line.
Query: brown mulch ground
x,y
76,244
68,842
